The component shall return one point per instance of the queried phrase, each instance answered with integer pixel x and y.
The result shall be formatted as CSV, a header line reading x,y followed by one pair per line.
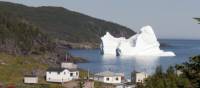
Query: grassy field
x,y
13,69
98,84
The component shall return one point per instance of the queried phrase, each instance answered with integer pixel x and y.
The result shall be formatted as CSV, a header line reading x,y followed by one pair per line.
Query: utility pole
x,y
88,74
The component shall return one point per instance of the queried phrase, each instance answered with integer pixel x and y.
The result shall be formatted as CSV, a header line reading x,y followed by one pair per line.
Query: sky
x,y
170,19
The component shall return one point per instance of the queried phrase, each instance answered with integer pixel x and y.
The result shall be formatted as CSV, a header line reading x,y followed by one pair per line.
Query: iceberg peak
x,y
144,43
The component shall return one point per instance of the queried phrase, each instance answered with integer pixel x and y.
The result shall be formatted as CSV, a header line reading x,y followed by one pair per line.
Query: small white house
x,y
30,79
178,72
61,74
139,77
68,65
109,77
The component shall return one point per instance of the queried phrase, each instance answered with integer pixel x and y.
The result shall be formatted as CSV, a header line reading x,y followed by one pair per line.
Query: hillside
x,y
19,37
25,49
69,27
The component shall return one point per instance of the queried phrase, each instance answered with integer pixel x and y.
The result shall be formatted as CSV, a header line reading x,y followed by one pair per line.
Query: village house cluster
x,y
68,71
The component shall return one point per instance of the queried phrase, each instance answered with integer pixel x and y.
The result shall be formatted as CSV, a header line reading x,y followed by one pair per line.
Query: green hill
x,y
67,26
19,37
23,49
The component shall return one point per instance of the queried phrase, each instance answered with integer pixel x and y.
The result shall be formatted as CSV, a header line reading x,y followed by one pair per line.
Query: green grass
x,y
98,84
13,68
84,73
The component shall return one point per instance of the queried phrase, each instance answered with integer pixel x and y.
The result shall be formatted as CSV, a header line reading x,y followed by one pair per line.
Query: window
x,y
76,73
107,79
117,78
71,74
64,73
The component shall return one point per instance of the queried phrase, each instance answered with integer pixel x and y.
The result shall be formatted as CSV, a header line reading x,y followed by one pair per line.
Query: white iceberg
x,y
144,43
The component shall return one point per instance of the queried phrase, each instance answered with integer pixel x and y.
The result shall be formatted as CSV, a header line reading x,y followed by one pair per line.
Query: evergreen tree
x,y
191,70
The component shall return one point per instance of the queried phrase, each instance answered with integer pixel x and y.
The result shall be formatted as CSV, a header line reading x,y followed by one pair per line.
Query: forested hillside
x,y
18,36
66,25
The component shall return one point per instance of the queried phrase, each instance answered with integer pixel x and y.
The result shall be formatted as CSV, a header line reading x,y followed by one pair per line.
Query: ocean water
x,y
182,48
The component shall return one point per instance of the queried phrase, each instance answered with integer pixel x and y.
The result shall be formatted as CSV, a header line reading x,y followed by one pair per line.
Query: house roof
x,y
55,69
109,73
59,69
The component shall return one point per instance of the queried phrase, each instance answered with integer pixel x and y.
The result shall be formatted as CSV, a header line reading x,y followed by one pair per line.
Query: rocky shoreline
x,y
69,45
73,45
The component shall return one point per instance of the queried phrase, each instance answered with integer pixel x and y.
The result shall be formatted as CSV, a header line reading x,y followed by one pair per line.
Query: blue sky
x,y
169,18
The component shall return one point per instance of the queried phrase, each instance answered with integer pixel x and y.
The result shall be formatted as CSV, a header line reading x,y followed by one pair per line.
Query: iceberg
x,y
144,43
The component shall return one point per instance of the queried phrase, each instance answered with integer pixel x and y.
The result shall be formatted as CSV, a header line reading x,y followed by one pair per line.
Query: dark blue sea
x,y
182,48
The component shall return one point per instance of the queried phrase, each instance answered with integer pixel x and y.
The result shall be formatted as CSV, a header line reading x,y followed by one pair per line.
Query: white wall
x,y
140,77
61,77
75,75
30,79
111,79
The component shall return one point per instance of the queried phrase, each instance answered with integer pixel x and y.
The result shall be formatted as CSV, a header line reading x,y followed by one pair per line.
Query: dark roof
x,y
55,69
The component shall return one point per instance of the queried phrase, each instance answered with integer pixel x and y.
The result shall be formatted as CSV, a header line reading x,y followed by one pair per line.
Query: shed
x,y
139,77
30,79
68,65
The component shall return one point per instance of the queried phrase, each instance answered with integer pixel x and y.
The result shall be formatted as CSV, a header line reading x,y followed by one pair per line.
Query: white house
x,y
61,74
178,72
109,77
68,65
30,79
139,77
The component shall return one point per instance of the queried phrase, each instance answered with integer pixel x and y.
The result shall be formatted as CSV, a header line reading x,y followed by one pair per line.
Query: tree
x,y
198,19
159,71
170,70
191,70
166,80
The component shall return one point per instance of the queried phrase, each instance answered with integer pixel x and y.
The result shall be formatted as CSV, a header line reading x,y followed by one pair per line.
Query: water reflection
x,y
146,64
108,57
127,64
